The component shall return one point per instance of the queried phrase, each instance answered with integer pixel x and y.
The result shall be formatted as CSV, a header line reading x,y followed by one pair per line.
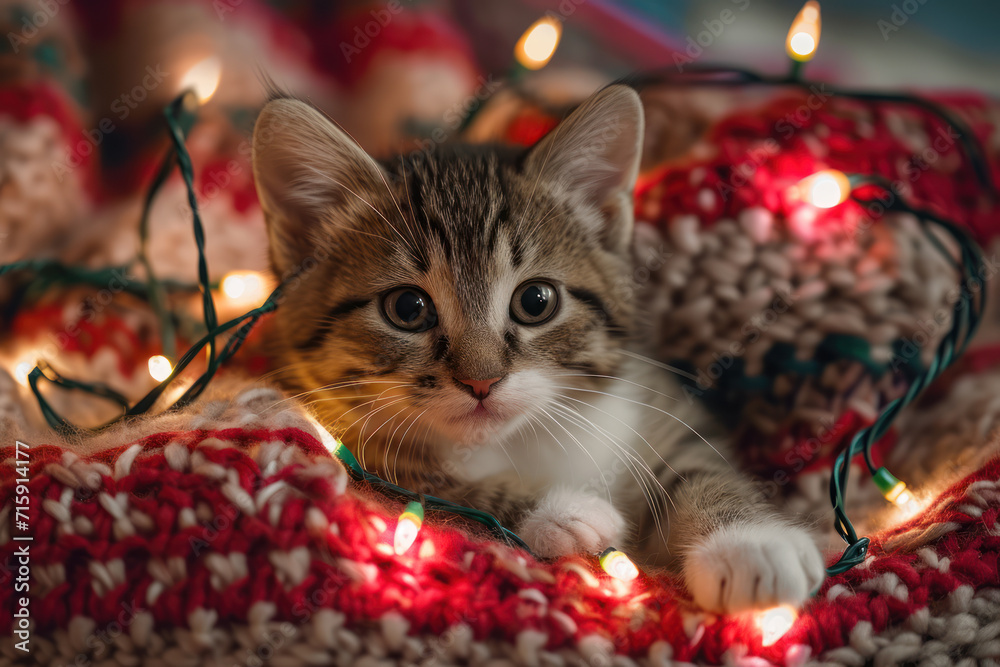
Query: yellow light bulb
x,y
825,189
775,622
894,490
539,43
408,527
908,505
160,367
203,79
618,565
331,443
898,491
803,36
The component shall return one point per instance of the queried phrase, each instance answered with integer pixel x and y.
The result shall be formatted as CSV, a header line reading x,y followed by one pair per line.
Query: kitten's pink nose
x,y
479,388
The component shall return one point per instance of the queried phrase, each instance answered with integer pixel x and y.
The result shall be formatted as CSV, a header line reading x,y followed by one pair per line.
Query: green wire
x,y
965,322
187,173
726,77
429,502
157,297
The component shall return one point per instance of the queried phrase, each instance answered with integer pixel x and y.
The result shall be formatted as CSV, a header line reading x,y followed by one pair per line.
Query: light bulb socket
x,y
887,483
414,510
605,554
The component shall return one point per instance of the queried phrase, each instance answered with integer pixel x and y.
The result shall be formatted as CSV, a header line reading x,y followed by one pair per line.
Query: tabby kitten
x,y
455,317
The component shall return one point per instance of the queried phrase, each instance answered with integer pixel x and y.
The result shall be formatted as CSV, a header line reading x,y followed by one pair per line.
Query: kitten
x,y
455,317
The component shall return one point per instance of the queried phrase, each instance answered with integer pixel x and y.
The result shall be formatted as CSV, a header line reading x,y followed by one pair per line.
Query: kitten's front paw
x,y
568,522
753,566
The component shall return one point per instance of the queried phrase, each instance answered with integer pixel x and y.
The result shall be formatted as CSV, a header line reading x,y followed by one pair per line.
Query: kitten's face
x,y
450,295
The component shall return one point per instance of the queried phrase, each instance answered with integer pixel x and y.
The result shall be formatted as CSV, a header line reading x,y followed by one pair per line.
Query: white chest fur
x,y
590,439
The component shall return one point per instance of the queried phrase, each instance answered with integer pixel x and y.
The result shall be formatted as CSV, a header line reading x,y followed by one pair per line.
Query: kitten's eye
x,y
534,302
409,309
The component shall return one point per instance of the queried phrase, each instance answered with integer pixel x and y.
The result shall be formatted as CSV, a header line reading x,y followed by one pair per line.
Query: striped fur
x,y
577,444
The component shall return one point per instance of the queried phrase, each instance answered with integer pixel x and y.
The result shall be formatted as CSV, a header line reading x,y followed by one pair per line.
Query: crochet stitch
x,y
238,546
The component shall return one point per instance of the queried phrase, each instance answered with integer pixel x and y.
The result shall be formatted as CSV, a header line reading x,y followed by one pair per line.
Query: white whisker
x,y
660,364
652,407
582,448
365,202
636,467
639,469
613,377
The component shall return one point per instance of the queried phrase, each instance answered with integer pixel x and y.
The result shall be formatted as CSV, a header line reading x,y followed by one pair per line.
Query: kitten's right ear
x,y
596,152
311,179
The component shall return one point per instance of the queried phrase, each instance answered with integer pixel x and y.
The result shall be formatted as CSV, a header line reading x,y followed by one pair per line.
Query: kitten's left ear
x,y
596,152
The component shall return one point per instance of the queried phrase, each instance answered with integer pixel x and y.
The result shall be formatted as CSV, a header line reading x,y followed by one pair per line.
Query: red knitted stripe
x,y
464,580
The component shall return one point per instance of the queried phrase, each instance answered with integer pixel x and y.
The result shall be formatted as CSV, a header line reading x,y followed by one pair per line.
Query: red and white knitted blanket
x,y
248,546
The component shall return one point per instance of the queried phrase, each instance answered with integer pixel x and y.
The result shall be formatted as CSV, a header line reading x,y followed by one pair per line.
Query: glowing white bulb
x,y
618,565
330,442
203,78
233,286
825,193
21,372
904,500
909,506
802,43
898,494
539,43
803,37
406,534
160,367
895,491
408,527
775,622
825,189
244,288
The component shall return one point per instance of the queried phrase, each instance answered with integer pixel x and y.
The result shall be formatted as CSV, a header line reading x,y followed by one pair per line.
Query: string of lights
x,y
966,314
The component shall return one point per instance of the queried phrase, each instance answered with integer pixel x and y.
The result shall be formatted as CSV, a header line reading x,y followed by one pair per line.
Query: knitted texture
x,y
237,546
793,318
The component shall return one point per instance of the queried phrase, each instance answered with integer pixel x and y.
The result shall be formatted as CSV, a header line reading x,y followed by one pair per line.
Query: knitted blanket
x,y
248,546
233,537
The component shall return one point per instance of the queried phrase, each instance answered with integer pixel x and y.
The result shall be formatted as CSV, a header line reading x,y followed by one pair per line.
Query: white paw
x,y
569,522
753,566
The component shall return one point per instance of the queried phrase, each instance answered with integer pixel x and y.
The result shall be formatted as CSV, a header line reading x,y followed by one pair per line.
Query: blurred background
x,y
83,86
391,70
885,43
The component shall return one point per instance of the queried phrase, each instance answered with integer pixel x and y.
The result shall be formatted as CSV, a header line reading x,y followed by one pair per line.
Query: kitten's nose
x,y
478,388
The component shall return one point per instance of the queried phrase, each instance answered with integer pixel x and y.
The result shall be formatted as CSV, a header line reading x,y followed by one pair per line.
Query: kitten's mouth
x,y
480,413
